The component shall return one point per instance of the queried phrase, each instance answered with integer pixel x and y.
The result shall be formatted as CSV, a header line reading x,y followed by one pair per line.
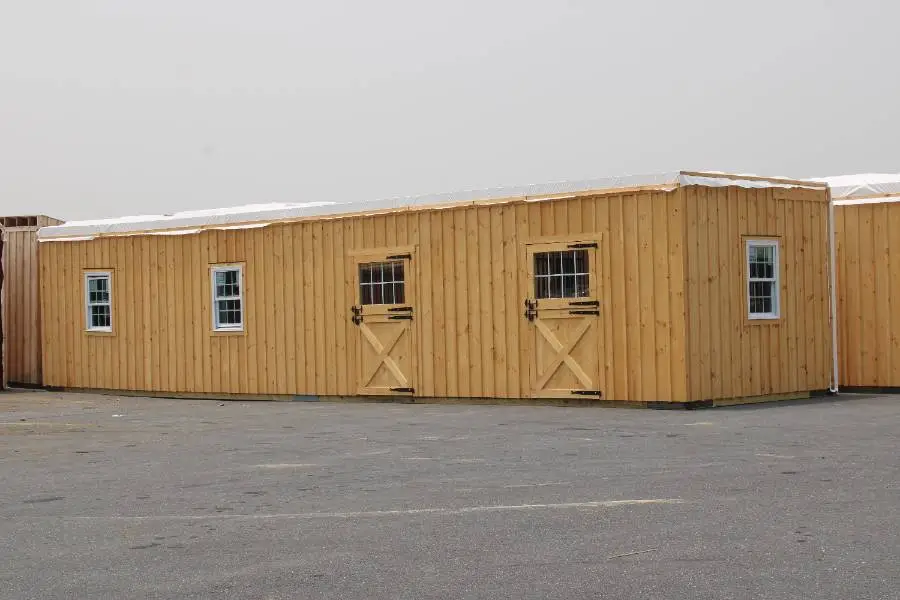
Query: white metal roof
x,y
258,215
865,188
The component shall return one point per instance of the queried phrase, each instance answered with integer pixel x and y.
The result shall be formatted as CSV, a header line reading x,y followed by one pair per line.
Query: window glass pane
x,y
582,286
541,264
568,286
561,274
382,283
581,261
555,286
568,262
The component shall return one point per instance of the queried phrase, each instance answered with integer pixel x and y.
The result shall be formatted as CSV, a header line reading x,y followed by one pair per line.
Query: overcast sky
x,y
112,107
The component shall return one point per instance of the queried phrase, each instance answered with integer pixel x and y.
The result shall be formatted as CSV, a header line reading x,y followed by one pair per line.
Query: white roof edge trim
x,y
875,200
260,215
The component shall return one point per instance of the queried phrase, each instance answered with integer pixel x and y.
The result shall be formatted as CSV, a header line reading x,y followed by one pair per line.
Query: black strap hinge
x,y
585,303
400,309
597,393
404,390
584,312
401,317
584,245
399,257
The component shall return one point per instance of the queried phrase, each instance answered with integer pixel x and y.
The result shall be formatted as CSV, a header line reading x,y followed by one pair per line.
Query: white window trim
x,y
88,275
754,243
215,308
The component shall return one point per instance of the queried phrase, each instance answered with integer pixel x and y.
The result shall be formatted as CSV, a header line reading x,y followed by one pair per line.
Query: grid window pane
x,y
382,283
561,274
762,285
99,303
227,296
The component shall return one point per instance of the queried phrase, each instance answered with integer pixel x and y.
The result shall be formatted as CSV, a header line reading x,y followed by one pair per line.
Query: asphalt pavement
x,y
105,497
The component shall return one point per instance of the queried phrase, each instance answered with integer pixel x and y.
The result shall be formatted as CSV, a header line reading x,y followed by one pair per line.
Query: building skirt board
x,y
561,402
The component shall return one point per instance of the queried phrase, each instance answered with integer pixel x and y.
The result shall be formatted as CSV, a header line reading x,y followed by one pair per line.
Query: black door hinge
x,y
404,390
584,312
597,393
401,317
584,245
401,309
585,303
399,256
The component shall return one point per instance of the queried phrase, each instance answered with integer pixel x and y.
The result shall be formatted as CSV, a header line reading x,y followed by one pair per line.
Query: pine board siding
x,y
669,273
730,356
22,301
868,294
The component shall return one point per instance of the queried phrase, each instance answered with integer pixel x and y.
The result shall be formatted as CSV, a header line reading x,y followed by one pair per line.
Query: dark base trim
x,y
24,386
406,399
864,389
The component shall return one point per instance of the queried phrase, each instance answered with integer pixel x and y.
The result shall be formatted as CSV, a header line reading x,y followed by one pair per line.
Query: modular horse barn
x,y
669,289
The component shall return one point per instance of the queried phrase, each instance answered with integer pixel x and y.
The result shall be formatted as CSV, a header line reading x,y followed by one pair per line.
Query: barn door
x,y
384,315
563,311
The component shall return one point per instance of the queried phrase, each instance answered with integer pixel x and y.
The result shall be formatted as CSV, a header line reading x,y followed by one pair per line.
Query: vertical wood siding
x,y
729,356
298,339
868,290
673,306
22,306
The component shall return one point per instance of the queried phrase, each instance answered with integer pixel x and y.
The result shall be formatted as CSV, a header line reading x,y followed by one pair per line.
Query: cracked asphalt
x,y
108,497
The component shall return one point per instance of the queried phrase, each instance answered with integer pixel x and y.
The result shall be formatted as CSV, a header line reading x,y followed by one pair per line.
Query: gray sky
x,y
111,107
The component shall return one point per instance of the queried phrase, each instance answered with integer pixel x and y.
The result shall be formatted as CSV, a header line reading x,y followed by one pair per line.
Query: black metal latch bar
x,y
587,392
584,245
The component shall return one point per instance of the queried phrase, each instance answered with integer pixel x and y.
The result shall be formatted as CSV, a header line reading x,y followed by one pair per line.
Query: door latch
x,y
530,309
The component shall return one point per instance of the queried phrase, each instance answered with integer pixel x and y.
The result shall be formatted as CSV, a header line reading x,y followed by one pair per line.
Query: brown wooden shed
x,y
667,289
22,298
867,220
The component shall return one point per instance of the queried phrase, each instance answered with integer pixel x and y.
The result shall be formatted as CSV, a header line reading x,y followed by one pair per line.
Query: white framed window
x,y
763,280
98,300
228,298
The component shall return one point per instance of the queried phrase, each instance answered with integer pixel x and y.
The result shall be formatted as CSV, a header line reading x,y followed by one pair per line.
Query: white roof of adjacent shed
x,y
865,188
259,215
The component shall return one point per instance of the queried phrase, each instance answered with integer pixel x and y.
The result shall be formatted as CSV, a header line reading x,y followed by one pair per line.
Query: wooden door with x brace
x,y
384,315
563,311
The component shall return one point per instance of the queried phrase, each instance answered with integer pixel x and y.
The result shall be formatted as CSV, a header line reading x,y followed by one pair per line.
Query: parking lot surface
x,y
106,497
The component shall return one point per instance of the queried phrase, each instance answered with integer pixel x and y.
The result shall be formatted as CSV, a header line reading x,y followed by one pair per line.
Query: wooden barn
x,y
867,221
676,289
21,298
